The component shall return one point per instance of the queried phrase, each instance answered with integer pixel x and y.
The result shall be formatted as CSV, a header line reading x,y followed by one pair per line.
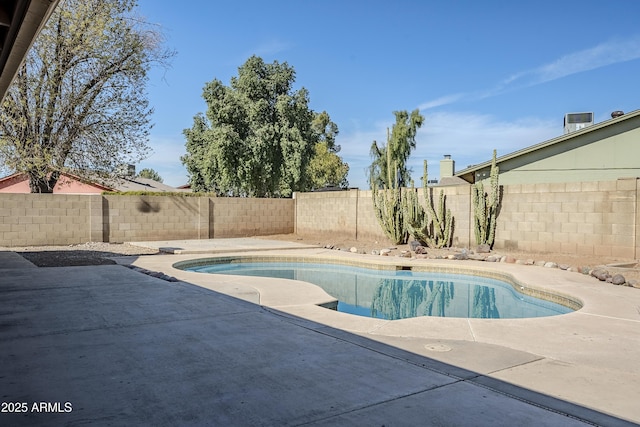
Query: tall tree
x,y
400,144
327,169
258,135
150,174
79,102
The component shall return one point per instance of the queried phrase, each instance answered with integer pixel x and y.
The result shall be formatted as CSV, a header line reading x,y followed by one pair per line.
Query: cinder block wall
x,y
39,219
131,218
243,217
328,213
583,218
368,226
588,218
350,213
61,219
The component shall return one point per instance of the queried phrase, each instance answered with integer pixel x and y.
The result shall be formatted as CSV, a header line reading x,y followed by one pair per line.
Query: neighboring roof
x,y
20,24
121,184
14,181
140,184
469,173
451,180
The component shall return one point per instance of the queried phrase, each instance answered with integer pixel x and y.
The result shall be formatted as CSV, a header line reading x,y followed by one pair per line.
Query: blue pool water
x,y
391,294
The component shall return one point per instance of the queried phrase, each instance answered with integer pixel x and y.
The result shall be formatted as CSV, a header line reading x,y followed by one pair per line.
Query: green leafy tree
x,y
150,174
399,144
79,102
258,136
327,168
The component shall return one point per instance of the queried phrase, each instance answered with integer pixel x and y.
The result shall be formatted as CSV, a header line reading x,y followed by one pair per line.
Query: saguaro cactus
x,y
486,207
433,226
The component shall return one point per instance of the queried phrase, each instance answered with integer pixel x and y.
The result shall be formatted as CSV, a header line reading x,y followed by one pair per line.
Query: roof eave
x,y
470,171
24,28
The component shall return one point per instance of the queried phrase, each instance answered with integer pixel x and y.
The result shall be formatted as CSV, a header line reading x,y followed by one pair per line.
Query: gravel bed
x,y
93,253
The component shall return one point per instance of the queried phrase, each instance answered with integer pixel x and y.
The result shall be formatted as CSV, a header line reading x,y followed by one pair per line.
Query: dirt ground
x,y
76,255
102,253
366,246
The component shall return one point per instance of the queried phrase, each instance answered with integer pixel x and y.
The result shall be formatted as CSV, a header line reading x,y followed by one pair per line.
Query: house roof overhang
x,y
20,24
469,173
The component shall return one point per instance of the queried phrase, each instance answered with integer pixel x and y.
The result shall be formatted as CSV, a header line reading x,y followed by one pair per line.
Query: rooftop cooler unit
x,y
577,121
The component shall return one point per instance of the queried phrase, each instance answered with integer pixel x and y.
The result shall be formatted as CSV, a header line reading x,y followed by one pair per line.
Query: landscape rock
x,y
508,259
540,263
414,244
618,279
492,258
483,249
405,254
600,274
461,256
563,266
550,264
476,257
385,252
353,250
422,256
375,252
521,262
420,250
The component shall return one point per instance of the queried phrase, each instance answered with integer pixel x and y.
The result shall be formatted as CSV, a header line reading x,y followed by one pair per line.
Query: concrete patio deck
x,y
124,348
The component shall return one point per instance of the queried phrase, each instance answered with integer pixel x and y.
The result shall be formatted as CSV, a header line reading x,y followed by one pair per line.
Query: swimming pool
x,y
398,294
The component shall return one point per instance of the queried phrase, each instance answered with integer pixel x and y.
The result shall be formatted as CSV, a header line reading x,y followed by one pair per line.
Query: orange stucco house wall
x,y
67,184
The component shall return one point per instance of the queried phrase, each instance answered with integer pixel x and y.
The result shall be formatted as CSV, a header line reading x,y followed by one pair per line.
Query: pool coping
x,y
580,356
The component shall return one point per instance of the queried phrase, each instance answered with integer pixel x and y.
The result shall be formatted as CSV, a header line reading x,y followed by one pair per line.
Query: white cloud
x,y
443,100
471,138
602,55
608,53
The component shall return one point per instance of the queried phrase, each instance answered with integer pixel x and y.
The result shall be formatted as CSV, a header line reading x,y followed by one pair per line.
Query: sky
x,y
485,74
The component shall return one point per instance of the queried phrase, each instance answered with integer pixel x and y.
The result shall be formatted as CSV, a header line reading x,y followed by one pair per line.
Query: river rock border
x,y
483,254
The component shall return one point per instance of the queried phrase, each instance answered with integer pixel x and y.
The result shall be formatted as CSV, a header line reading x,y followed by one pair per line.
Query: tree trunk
x,y
39,184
